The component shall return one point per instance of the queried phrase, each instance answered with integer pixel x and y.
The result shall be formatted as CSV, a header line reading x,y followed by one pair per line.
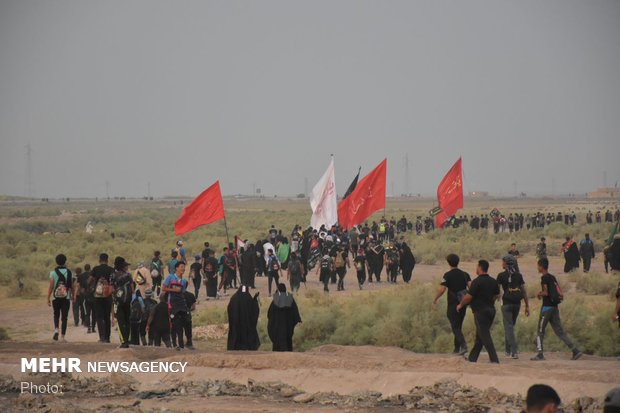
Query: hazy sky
x,y
181,93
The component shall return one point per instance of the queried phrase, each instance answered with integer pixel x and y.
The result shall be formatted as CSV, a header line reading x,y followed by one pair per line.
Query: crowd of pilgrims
x,y
495,221
105,295
499,222
154,304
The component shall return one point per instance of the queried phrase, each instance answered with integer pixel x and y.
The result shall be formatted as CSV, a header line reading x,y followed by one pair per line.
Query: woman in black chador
x,y
243,311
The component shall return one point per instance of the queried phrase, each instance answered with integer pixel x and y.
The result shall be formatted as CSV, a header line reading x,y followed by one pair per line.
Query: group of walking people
x,y
108,295
481,293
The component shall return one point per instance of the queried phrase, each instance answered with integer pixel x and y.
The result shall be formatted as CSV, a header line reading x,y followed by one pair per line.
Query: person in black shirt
x,y
549,312
360,266
515,253
586,250
157,272
158,324
614,253
102,274
210,270
190,300
86,290
149,306
195,273
514,291
456,282
122,282
77,301
482,294
205,254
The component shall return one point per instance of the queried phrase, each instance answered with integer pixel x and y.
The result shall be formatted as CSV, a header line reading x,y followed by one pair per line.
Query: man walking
x,y
157,272
513,286
341,262
273,270
59,295
541,249
515,253
324,269
482,294
455,282
88,290
175,285
195,273
102,281
586,250
77,300
549,313
124,287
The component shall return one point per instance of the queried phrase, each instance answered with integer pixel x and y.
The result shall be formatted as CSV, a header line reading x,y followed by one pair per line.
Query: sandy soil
x,y
343,370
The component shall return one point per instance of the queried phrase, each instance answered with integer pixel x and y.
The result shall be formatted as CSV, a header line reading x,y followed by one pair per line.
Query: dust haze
x,y
259,94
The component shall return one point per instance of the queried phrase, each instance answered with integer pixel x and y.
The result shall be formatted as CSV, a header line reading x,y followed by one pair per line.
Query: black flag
x,y
353,184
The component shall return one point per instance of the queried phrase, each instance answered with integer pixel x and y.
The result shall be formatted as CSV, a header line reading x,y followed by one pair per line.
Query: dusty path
x,y
345,370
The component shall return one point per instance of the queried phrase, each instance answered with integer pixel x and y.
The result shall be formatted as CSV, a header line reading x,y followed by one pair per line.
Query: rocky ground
x,y
123,393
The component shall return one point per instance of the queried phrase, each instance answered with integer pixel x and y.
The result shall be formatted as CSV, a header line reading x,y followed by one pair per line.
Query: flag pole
x,y
384,205
337,223
226,226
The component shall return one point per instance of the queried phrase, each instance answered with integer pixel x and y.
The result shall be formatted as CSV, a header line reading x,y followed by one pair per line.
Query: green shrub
x,y
595,283
4,335
28,289
406,318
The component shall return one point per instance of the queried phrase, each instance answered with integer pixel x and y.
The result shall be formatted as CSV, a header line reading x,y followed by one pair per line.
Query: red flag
x,y
367,197
450,193
208,207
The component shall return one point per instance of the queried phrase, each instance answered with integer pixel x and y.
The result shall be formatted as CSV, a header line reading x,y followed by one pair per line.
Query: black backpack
x,y
325,264
149,304
555,292
63,285
295,266
137,310
122,294
392,257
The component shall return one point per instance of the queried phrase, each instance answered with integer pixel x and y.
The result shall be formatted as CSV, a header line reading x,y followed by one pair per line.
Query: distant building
x,y
478,194
613,193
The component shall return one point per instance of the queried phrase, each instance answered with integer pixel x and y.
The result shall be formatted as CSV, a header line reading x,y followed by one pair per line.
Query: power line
x,y
29,175
407,188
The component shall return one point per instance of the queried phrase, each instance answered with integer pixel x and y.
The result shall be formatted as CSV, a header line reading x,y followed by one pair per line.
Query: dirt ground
x,y
338,369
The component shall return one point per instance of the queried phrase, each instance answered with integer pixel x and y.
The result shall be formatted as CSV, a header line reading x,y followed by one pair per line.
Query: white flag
x,y
323,200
